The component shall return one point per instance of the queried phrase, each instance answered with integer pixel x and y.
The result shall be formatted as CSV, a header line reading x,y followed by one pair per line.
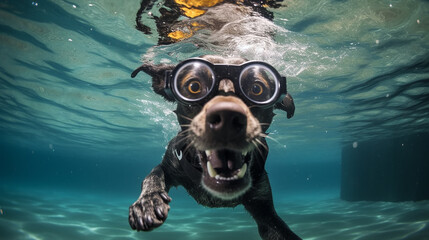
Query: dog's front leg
x,y
270,225
260,206
151,208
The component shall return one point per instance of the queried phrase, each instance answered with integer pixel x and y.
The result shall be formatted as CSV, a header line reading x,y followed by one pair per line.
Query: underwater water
x,y
78,134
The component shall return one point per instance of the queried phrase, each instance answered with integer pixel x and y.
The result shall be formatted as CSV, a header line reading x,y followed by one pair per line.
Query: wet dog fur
x,y
224,137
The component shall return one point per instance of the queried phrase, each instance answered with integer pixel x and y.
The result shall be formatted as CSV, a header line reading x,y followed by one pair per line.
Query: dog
x,y
224,108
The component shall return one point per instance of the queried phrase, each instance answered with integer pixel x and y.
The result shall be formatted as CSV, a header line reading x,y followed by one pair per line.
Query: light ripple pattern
x,y
49,214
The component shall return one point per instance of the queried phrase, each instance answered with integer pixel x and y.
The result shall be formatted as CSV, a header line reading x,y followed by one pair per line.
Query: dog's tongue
x,y
225,160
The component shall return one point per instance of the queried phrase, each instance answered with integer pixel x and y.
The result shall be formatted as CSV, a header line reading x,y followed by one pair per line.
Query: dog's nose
x,y
226,121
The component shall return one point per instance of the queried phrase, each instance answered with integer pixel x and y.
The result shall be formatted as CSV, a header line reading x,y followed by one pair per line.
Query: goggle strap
x,y
167,84
283,87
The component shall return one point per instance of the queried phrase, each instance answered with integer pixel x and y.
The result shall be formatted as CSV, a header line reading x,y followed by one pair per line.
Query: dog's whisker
x,y
264,135
271,138
185,138
257,147
262,144
184,132
183,116
188,146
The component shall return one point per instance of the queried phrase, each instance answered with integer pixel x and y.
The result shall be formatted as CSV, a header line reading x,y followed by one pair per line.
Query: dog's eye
x,y
257,89
194,87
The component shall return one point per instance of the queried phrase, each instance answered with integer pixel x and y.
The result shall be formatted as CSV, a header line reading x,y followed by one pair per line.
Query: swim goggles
x,y
196,81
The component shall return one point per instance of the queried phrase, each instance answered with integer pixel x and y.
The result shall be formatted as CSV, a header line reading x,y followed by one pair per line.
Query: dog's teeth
x,y
242,171
218,177
211,170
208,152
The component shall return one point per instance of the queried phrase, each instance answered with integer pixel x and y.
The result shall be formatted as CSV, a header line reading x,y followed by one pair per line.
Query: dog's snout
x,y
226,120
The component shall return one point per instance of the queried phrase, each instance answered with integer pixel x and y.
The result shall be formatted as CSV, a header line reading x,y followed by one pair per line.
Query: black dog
x,y
224,107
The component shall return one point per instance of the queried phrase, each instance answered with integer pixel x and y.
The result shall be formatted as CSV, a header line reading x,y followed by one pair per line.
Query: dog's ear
x,y
157,72
287,105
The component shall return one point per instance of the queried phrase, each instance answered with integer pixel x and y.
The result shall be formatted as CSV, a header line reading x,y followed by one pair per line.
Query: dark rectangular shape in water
x,y
394,169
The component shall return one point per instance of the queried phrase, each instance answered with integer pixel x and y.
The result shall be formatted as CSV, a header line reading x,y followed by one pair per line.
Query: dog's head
x,y
224,107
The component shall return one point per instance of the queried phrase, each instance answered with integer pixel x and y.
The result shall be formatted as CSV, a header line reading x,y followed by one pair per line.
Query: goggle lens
x,y
194,81
258,83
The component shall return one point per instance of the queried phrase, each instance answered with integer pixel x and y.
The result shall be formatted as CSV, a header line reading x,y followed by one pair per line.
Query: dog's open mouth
x,y
225,172
229,160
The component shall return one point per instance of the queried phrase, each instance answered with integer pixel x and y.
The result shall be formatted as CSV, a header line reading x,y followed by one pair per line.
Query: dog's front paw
x,y
149,211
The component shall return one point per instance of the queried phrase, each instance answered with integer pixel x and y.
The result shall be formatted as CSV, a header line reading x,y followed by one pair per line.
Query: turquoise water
x,y
78,134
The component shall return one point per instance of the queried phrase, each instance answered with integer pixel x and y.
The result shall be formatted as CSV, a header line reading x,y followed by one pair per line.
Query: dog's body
x,y
218,157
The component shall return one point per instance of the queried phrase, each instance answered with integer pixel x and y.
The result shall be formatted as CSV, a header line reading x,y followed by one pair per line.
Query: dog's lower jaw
x,y
229,182
227,195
